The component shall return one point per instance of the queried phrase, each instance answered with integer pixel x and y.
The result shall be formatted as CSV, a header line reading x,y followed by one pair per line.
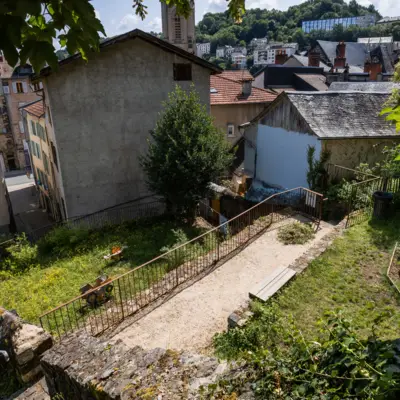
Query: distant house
x,y
203,48
234,101
43,168
286,78
98,116
347,124
14,93
296,60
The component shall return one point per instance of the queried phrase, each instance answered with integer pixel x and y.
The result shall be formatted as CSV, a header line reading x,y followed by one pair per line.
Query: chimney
x,y
247,86
314,58
340,60
373,69
280,57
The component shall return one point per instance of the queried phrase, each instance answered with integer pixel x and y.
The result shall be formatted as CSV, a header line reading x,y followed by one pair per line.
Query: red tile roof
x,y
36,109
227,91
237,75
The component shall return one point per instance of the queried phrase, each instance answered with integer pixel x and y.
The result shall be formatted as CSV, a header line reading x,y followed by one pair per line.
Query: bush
x,y
21,256
296,233
340,365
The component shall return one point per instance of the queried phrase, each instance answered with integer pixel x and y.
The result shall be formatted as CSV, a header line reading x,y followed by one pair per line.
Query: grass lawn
x,y
41,277
350,275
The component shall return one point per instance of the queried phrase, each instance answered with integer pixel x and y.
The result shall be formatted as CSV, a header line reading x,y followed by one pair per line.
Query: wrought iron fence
x,y
145,207
113,300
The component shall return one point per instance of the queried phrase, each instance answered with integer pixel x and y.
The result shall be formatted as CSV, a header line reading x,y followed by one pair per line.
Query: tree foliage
x,y
186,152
28,28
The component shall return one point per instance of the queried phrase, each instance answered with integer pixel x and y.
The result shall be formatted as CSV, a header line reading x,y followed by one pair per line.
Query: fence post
x,y
120,299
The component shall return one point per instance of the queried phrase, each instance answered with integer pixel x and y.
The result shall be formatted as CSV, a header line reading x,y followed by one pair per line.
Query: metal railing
x,y
116,299
361,203
337,173
146,207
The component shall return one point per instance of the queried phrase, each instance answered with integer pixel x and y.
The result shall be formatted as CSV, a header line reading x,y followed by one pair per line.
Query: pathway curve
x,y
191,318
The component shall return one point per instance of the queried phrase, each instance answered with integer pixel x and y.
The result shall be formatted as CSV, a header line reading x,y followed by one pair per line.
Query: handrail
x,y
177,248
351,170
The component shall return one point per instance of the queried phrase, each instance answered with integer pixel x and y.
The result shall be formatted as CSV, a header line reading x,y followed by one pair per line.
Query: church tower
x,y
177,29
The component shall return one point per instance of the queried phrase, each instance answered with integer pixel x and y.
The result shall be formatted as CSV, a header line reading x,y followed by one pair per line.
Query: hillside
x,y
285,26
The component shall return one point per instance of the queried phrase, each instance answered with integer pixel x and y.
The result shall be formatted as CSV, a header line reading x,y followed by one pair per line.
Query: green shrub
x,y
22,256
296,233
65,242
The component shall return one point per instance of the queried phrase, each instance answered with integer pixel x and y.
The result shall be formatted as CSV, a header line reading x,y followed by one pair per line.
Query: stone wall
x,y
351,152
83,367
24,343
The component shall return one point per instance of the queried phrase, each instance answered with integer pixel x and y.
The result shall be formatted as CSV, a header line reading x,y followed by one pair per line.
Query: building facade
x,y
178,30
98,136
268,54
328,24
239,60
17,92
203,48
40,149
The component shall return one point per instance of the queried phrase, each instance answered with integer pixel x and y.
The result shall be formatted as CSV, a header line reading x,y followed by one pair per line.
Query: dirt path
x,y
191,318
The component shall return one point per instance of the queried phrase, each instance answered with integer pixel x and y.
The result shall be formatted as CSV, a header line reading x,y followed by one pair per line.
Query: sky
x,y
118,16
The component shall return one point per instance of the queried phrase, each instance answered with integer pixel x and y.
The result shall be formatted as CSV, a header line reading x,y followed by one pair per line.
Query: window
x,y
20,88
231,130
33,128
45,162
37,86
6,88
178,30
182,72
21,127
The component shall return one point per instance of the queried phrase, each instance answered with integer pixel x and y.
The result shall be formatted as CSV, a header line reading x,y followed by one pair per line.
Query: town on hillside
x,y
204,209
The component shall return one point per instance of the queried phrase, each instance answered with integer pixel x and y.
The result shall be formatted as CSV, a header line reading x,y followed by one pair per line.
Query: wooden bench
x,y
269,286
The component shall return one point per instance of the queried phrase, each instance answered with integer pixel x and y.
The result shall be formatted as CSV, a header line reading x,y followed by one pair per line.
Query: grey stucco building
x,y
99,115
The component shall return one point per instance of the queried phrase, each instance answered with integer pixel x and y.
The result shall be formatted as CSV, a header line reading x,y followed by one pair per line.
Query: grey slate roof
x,y
333,115
382,87
303,60
318,82
356,53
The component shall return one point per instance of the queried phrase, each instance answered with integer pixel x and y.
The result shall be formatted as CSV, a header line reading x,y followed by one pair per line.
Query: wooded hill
x,y
285,26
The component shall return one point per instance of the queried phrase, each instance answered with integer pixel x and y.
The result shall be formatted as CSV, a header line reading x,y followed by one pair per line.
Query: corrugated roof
x,y
227,91
380,87
314,80
36,109
334,115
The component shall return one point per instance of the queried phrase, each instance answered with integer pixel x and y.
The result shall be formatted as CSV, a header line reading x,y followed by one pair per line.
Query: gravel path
x,y
191,318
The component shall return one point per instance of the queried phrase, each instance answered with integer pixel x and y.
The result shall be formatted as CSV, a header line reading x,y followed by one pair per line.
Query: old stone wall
x,y
83,367
351,152
24,344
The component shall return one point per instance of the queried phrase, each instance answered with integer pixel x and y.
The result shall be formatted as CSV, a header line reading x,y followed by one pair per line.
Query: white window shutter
x,y
40,85
25,87
14,85
21,127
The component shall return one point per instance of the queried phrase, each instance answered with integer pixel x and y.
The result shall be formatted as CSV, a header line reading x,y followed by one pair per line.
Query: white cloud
x,y
97,12
388,8
155,24
127,23
215,6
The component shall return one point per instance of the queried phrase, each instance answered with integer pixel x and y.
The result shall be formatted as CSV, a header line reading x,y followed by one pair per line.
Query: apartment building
x,y
203,48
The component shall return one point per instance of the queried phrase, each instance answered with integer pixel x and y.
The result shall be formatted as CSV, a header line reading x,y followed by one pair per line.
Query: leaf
x,y
42,53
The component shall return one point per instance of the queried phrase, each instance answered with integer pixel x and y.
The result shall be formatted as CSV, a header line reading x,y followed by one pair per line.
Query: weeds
x,y
296,233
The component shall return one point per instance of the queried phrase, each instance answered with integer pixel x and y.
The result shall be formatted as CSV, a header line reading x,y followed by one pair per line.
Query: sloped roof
x,y
227,91
333,115
356,53
381,87
237,75
36,109
314,80
137,33
303,60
